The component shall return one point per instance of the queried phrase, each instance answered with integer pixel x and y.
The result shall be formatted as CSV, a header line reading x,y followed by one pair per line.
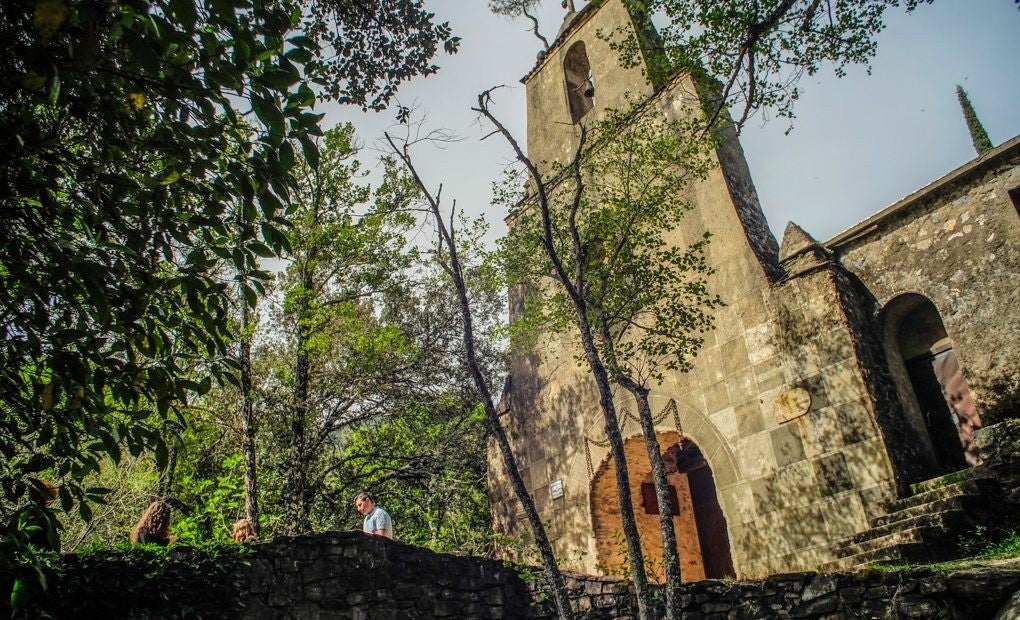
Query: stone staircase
x,y
923,527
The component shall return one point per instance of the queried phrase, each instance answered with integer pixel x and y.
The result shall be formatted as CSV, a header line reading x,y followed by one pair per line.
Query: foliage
x,y
345,360
113,193
28,551
370,46
218,502
140,140
199,581
758,51
599,255
132,483
126,129
453,253
988,544
427,468
620,242
978,135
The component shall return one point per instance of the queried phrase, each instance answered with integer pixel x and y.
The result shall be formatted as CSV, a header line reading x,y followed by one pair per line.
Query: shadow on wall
x,y
543,422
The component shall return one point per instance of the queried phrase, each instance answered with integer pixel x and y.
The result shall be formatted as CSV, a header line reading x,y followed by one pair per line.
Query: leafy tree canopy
x,y
371,46
126,131
427,467
140,142
760,50
619,244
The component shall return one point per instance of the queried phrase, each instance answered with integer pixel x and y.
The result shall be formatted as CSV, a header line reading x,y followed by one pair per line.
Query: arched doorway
x,y
931,382
702,539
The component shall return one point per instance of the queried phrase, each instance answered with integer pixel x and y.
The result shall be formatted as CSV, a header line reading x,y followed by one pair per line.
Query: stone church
x,y
842,377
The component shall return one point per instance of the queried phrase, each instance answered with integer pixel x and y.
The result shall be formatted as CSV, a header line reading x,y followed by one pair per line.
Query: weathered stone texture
x,y
351,575
957,243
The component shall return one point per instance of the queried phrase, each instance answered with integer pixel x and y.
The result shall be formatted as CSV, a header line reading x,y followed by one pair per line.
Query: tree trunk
x,y
576,293
294,515
630,531
553,573
670,553
454,268
251,496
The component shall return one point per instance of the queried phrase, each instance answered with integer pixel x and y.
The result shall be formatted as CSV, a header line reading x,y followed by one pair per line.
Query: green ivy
x,y
146,581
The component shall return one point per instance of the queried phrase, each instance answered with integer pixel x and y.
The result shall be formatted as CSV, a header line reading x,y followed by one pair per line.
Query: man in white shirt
x,y
377,520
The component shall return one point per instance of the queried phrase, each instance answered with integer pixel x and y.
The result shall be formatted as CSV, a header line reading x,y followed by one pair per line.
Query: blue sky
x,y
858,144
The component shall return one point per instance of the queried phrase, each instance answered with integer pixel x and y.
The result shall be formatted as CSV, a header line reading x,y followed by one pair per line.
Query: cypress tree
x,y
978,135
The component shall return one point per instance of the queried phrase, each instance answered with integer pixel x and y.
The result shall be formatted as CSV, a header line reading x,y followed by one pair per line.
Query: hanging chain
x,y
587,456
670,408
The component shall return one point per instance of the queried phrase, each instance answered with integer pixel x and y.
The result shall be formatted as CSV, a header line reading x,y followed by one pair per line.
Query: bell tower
x,y
581,75
552,412
577,77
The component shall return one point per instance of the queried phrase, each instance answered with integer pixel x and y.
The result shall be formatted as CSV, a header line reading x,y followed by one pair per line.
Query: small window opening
x,y
651,502
1014,196
580,87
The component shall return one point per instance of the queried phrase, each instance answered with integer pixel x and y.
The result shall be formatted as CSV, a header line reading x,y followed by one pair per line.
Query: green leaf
x,y
249,296
185,14
299,55
310,151
302,41
287,154
262,249
269,113
162,457
54,90
20,594
110,445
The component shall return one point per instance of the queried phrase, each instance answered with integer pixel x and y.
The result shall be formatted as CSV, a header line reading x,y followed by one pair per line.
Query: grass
x,y
1008,548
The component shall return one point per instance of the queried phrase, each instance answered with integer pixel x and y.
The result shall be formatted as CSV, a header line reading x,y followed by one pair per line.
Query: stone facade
x,y
799,401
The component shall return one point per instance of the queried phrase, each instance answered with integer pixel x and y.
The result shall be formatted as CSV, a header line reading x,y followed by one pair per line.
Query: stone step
x,y
969,486
943,521
942,481
923,527
967,503
916,545
850,547
895,553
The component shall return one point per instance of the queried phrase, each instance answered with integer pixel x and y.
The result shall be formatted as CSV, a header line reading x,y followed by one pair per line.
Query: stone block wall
x,y
555,138
353,575
826,459
791,399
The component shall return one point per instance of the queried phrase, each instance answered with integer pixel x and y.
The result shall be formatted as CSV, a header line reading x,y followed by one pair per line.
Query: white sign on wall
x,y
556,488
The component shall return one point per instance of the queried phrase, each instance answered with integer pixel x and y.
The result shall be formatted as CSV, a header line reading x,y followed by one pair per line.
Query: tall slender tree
x,y
449,251
625,284
978,135
348,247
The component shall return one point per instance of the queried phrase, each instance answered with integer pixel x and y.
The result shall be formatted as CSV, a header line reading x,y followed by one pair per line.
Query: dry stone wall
x,y
355,576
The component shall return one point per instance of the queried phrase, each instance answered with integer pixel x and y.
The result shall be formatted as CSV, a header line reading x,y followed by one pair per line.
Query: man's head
x,y
363,503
